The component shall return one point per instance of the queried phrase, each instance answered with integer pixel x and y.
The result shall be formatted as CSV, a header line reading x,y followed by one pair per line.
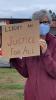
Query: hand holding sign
x,y
43,45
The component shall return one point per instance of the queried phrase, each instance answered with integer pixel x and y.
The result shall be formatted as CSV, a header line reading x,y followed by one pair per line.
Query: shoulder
x,y
53,43
52,39
52,36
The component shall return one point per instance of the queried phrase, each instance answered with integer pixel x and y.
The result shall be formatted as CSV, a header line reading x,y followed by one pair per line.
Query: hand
x,y
0,52
20,57
43,45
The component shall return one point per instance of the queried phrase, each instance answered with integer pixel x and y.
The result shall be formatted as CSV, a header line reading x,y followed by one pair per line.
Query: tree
x,y
53,14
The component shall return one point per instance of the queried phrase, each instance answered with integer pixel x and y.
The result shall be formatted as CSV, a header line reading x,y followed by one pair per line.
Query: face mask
x,y
44,29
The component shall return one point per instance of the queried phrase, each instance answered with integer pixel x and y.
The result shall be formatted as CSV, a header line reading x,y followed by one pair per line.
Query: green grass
x,y
11,84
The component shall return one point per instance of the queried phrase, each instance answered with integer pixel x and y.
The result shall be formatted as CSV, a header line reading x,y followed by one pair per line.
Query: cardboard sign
x,y
21,40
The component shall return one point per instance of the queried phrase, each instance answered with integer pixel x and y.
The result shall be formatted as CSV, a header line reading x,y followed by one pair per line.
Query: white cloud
x,y
24,8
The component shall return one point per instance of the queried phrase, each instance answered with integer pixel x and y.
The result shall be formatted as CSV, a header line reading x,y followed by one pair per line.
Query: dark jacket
x,y
40,72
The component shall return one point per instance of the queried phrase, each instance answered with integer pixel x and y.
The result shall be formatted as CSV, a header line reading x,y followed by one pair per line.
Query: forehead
x,y
45,18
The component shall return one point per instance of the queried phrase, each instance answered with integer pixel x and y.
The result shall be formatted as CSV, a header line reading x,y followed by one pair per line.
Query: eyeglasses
x,y
45,22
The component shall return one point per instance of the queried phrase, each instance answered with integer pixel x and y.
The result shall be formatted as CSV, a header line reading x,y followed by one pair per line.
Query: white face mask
x,y
44,29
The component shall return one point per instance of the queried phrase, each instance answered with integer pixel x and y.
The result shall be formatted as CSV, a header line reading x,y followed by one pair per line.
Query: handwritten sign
x,y
21,40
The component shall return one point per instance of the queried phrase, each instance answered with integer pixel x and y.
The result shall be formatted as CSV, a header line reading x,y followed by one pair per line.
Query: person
x,y
40,71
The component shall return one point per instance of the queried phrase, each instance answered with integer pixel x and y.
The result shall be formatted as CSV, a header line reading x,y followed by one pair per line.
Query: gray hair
x,y
38,15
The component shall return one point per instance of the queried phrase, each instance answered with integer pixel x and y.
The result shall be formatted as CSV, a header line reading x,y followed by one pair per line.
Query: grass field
x,y
11,84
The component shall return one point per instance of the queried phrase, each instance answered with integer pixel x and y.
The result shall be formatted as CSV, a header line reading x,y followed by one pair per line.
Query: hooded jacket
x,y
40,72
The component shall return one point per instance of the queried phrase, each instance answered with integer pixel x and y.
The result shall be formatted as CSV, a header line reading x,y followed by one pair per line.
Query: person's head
x,y
45,19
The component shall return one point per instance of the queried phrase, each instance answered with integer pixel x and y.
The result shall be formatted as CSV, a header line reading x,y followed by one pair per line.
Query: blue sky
x,y
24,8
